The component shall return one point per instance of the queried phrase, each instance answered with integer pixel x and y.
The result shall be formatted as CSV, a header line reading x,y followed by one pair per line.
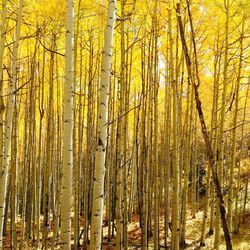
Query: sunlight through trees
x,y
124,124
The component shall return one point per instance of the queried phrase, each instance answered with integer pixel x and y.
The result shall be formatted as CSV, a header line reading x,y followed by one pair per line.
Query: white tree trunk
x,y
99,173
66,192
10,110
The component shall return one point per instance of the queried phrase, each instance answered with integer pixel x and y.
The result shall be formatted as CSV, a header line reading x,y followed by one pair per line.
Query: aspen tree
x,y
175,238
127,172
141,144
90,134
33,150
242,133
66,209
237,215
217,73
115,127
48,148
167,109
3,26
237,218
213,138
90,141
110,171
155,132
108,162
186,163
123,121
9,118
80,150
149,182
77,155
119,193
25,165
194,169
40,148
13,178
235,118
222,123
82,105
29,175
25,169
132,200
102,123
178,79
121,135
58,159
133,207
31,206
143,168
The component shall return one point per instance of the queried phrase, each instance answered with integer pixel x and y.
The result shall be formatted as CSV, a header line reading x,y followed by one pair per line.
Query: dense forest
x,y
124,124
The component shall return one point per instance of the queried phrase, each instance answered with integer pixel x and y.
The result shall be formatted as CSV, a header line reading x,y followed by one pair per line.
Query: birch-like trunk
x,y
65,236
3,26
175,237
9,116
213,138
233,154
99,172
221,139
2,47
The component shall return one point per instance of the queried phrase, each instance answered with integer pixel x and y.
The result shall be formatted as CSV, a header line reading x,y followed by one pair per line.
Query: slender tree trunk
x,y
233,154
9,117
77,153
40,148
3,26
155,83
167,154
222,125
175,241
99,172
142,167
48,154
241,150
67,168
186,164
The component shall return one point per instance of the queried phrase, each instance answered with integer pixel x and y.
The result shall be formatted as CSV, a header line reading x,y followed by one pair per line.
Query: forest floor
x,y
241,240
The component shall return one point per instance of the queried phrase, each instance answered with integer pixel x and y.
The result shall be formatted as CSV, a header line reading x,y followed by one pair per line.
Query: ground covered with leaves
x,y
241,240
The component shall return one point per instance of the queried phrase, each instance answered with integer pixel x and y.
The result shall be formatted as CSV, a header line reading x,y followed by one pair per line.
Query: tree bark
x,y
67,168
99,172
175,241
2,47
